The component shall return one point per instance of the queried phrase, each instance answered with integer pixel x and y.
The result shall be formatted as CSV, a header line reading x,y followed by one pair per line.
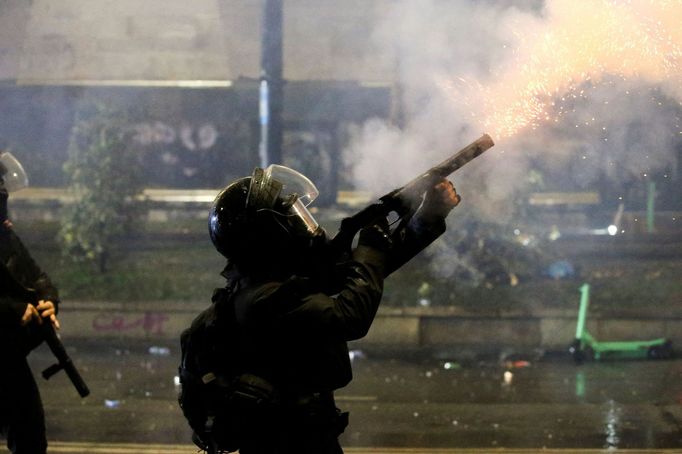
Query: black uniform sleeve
x,y
25,270
298,307
352,311
11,311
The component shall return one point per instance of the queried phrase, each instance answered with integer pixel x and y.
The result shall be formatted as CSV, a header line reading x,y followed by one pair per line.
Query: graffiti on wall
x,y
149,322
180,154
193,138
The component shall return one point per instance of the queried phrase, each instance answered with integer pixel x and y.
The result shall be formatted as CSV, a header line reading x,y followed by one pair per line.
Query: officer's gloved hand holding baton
x,y
44,309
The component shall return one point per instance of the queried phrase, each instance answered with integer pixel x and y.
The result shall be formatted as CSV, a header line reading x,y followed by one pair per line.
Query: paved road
x,y
451,404
129,448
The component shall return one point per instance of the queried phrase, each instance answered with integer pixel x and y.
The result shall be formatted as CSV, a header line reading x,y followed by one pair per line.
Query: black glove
x,y
376,236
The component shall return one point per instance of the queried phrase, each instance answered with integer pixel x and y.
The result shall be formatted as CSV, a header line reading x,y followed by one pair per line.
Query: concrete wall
x,y
396,330
185,40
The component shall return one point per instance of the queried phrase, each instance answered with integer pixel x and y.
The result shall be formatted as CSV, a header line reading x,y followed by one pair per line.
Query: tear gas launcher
x,y
49,335
404,202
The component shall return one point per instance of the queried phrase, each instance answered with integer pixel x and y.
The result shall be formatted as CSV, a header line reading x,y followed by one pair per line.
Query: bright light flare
x,y
569,52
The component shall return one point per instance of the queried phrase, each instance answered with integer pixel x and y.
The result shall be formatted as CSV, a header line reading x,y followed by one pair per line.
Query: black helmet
x,y
264,216
12,174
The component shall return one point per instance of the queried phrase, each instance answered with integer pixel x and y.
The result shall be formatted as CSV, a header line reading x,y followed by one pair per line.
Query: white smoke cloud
x,y
594,80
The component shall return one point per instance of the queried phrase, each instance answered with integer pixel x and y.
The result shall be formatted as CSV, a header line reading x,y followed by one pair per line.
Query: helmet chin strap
x,y
276,216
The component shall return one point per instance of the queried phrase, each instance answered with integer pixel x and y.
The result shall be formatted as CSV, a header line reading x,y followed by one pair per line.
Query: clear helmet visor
x,y
12,175
293,183
298,187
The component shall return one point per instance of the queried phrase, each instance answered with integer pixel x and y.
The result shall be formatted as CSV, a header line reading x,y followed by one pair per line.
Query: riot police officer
x,y
21,412
281,326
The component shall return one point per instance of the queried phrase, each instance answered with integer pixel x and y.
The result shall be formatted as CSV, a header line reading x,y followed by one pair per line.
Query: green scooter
x,y
586,347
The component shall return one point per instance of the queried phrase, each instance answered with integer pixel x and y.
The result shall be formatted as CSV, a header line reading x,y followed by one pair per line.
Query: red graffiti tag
x,y
150,322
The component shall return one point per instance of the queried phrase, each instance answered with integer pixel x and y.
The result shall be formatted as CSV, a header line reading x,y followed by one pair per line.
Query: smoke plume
x,y
595,85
